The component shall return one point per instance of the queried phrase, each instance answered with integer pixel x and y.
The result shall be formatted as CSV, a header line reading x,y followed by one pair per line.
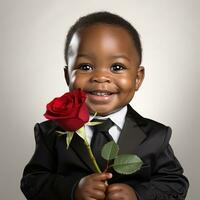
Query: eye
x,y
85,67
117,67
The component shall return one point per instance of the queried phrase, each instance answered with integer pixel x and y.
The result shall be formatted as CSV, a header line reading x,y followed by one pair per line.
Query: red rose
x,y
69,111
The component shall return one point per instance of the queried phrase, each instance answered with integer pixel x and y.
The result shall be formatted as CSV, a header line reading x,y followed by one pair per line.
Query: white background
x,y
32,35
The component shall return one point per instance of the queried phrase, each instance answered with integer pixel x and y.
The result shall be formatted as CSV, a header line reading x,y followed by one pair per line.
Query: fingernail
x,y
109,175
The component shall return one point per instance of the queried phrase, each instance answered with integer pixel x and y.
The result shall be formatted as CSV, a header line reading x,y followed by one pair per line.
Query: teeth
x,y
101,93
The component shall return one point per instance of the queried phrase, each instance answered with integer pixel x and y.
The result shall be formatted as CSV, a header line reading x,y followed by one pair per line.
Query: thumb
x,y
106,176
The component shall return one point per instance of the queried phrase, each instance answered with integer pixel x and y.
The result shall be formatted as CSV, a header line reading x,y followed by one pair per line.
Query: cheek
x,y
127,84
77,81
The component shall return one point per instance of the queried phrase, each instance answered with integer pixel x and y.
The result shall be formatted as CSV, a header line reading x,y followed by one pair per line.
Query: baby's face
x,y
103,62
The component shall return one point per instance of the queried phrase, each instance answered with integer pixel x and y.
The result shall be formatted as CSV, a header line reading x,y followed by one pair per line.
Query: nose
x,y
101,77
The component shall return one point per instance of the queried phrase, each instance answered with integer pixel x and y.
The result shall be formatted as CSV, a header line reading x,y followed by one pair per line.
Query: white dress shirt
x,y
118,118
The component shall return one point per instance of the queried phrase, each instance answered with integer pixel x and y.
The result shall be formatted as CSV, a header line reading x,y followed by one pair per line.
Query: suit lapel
x,y
132,135
77,144
131,130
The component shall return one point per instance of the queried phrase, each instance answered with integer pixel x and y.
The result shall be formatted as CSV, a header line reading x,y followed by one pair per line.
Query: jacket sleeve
x,y
167,181
40,180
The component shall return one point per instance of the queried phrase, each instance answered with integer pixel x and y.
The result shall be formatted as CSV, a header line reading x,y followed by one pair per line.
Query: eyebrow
x,y
84,55
112,57
121,56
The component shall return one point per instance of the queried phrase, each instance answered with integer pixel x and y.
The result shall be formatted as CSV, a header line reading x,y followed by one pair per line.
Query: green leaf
x,y
93,123
62,132
81,133
69,137
110,150
127,164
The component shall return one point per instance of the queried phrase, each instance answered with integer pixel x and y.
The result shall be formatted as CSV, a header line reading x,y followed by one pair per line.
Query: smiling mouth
x,y
101,93
100,97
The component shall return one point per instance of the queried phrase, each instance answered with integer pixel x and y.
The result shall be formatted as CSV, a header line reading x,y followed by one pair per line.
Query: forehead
x,y
100,30
103,39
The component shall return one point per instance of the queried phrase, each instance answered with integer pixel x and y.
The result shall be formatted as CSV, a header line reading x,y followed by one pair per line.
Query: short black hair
x,y
103,18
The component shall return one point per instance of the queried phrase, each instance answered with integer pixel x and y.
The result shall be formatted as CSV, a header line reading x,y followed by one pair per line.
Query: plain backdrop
x,y
32,35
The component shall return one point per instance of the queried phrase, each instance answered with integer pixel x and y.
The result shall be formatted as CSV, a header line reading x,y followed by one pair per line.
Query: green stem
x,y
92,157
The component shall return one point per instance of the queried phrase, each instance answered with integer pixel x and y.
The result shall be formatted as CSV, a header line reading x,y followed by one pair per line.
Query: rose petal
x,y
69,111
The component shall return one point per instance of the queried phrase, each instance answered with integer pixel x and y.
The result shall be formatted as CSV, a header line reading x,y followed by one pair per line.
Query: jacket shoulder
x,y
46,126
155,125
158,132
143,121
45,133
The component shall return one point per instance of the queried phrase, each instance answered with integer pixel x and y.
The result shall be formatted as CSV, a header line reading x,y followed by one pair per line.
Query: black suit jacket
x,y
54,171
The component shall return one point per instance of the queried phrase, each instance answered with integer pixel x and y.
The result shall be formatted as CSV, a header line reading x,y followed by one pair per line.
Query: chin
x,y
102,112
99,113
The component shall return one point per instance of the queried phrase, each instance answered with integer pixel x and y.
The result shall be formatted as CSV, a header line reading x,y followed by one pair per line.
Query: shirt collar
x,y
117,117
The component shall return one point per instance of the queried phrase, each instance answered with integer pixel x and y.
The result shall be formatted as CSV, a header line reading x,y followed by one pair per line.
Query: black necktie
x,y
100,137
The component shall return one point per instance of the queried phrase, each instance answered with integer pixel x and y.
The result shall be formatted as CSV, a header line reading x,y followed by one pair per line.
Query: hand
x,y
92,187
120,191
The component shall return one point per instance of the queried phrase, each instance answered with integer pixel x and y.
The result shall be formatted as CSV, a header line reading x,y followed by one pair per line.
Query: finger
x,y
102,176
114,188
114,195
97,194
120,191
100,186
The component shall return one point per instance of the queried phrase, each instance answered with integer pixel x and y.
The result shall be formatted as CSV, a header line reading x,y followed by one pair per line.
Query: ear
x,y
66,75
140,77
